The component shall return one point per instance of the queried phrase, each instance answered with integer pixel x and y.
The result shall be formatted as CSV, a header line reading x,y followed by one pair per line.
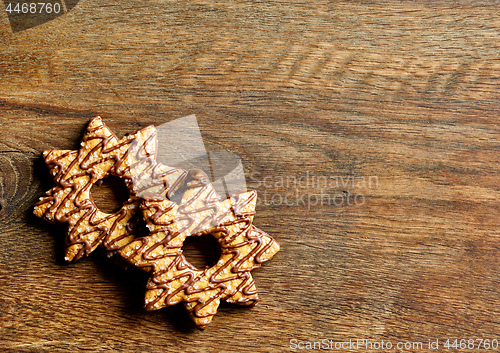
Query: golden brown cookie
x,y
201,211
132,158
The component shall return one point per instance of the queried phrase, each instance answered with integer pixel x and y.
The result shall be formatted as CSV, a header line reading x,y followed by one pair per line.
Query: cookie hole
x,y
201,251
109,194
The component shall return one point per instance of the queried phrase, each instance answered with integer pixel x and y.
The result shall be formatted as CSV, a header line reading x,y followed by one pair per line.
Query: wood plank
x,y
393,102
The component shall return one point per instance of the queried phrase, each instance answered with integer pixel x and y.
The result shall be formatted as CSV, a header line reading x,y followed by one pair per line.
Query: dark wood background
x,y
404,91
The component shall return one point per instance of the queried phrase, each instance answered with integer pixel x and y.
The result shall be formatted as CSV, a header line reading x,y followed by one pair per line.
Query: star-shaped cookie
x,y
201,211
132,158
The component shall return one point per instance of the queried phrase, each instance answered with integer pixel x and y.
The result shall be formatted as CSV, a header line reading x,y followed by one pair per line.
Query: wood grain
x,y
405,92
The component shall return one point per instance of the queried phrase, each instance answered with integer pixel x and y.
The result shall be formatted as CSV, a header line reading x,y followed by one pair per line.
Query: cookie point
x,y
95,122
144,132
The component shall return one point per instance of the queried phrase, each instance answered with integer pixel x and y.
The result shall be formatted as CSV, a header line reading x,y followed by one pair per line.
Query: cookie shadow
x,y
130,283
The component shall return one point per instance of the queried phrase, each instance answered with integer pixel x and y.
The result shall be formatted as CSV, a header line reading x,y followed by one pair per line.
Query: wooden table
x,y
401,97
